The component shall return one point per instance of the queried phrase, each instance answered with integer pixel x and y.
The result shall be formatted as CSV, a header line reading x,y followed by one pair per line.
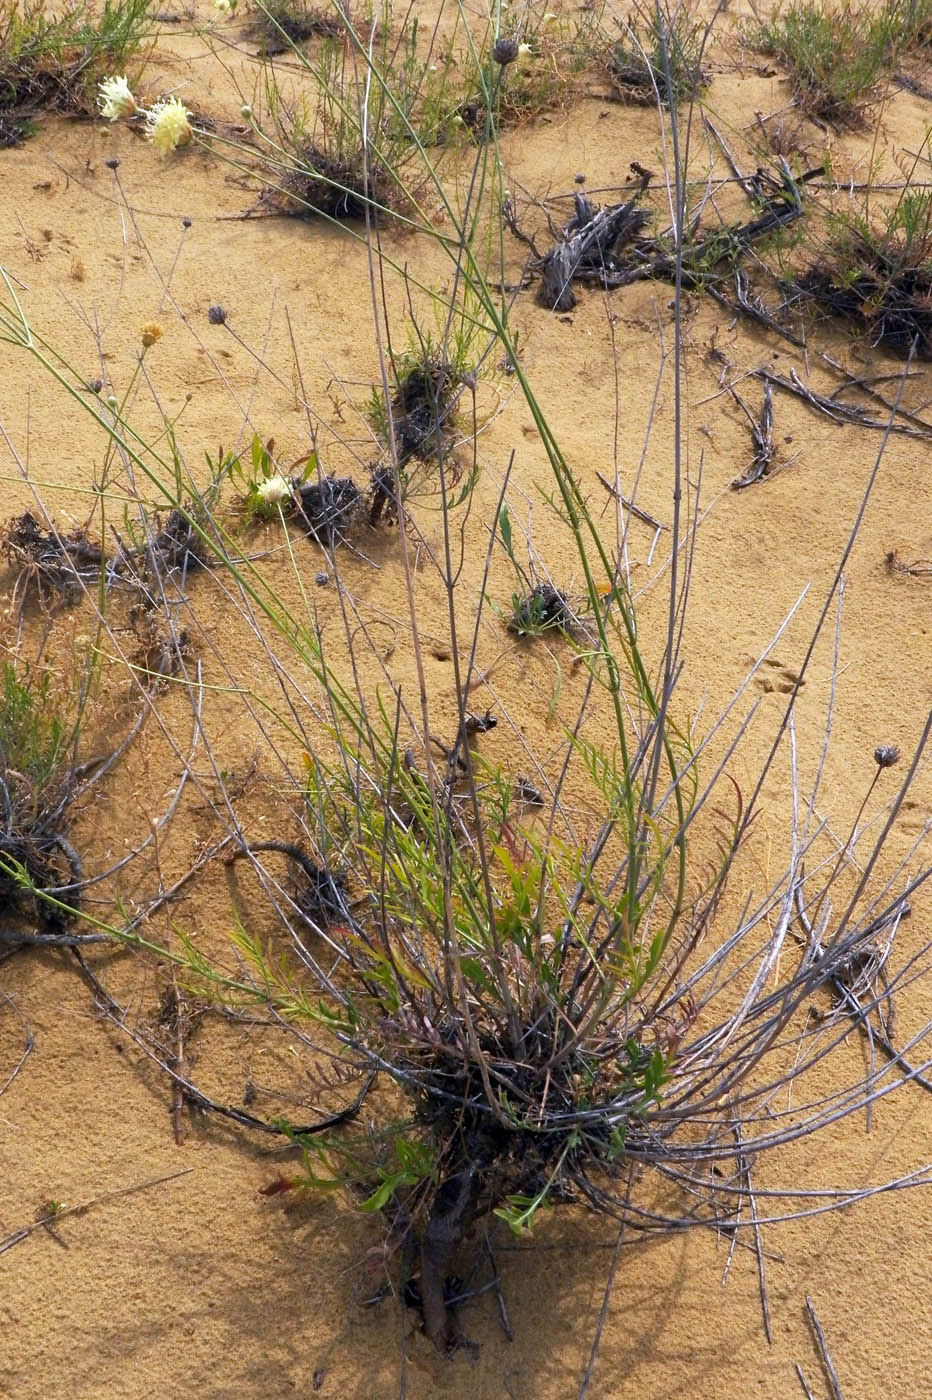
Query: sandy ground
x,y
198,1285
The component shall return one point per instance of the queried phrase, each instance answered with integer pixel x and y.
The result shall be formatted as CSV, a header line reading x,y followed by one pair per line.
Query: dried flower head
x,y
217,315
167,125
505,49
151,332
115,99
274,489
886,755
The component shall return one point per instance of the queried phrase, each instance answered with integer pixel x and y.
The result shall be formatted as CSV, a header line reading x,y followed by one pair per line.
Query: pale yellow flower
x,y
525,53
274,489
115,99
150,332
225,7
167,125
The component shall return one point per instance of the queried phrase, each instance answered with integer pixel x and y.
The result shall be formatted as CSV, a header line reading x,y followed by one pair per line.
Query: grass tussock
x,y
876,273
837,55
658,56
41,723
52,61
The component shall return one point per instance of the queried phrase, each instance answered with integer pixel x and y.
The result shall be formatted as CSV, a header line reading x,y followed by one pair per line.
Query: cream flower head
x,y
274,489
167,125
225,7
115,99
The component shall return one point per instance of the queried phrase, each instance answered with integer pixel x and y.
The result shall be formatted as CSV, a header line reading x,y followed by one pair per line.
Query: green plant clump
x,y
877,273
658,56
54,61
836,55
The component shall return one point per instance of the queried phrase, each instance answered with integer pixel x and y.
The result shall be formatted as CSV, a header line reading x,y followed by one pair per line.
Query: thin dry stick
x,y
841,412
497,1284
178,1063
629,505
823,1351
761,1276
28,1043
603,1311
53,1217
761,438
802,1381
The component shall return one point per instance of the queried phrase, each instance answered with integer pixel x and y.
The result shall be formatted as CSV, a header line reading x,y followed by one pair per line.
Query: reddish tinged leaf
x,y
279,1187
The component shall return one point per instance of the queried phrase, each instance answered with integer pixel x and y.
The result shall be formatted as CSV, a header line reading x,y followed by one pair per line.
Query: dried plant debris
x,y
588,249
15,130
280,24
877,274
328,508
422,408
658,59
893,305
895,420
600,245
52,60
320,894
52,565
175,545
761,438
339,188
382,498
894,563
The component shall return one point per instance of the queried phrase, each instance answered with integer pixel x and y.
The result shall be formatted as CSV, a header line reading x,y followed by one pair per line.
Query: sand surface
x,y
200,1285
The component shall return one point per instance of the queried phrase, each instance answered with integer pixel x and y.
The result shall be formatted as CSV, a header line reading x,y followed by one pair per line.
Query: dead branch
x,y
47,1218
823,1351
193,1095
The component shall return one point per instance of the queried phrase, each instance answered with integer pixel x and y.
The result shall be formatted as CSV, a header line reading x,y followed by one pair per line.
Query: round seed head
x,y
217,315
505,49
886,755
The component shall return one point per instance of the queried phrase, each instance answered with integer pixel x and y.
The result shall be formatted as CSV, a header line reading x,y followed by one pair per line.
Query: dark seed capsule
x,y
112,163
480,724
185,222
217,315
321,580
886,755
505,50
